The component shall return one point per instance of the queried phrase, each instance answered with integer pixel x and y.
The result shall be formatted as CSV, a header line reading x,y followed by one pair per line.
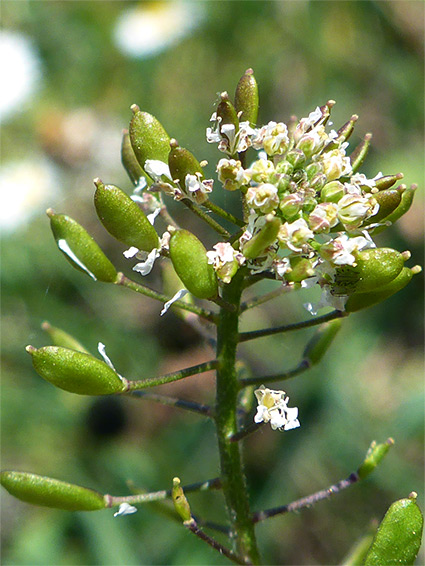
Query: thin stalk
x,y
233,479
244,432
204,216
191,406
143,290
256,301
307,501
170,377
223,213
303,366
244,336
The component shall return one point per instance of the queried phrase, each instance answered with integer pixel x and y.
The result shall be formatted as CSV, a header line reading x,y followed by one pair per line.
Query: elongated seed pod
x,y
321,340
49,492
149,139
359,154
266,236
61,338
388,201
246,98
375,267
129,161
123,218
374,456
75,371
189,258
182,162
80,249
399,535
227,112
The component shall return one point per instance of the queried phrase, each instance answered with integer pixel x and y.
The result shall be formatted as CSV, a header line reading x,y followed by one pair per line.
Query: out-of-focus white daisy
x,y
152,27
25,190
19,72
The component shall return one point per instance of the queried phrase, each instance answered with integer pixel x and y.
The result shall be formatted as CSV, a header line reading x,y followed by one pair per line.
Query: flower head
x,y
273,408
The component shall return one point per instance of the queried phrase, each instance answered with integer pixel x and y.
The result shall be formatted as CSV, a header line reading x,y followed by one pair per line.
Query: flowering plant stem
x,y
232,477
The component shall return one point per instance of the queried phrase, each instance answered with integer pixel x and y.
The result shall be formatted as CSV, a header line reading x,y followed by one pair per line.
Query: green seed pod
x,y
301,269
375,267
321,340
262,240
246,98
48,492
189,258
398,538
75,372
227,112
359,301
181,504
148,138
182,162
374,456
388,181
129,161
344,133
403,207
359,154
80,249
61,338
388,201
122,217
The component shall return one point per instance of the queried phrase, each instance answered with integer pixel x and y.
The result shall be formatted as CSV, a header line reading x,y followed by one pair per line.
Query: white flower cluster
x,y
273,408
304,178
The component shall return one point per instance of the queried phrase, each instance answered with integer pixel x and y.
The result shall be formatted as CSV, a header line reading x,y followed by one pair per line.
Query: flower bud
x,y
148,138
129,161
359,301
399,535
374,268
61,338
48,492
296,158
189,258
284,167
359,154
182,162
123,218
301,268
321,340
181,504
262,240
373,457
246,98
80,249
75,372
332,192
290,205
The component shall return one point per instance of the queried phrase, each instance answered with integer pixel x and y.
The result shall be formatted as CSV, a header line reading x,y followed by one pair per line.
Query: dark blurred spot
x,y
106,418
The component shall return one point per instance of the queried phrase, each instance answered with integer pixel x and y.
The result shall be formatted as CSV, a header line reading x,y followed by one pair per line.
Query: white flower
x,y
327,299
295,234
339,251
335,164
273,408
231,174
273,138
225,260
125,509
354,209
263,197
261,170
145,267
198,188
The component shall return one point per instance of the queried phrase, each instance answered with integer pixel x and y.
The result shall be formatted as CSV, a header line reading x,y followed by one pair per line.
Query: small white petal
x,y
151,217
176,297
145,267
63,246
156,168
125,509
102,351
131,252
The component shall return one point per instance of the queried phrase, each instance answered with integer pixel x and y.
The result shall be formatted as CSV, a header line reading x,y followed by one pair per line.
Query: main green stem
x,y
232,476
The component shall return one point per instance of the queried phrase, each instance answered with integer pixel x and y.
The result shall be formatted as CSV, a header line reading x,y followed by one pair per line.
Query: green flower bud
x,y
374,268
359,154
61,338
148,138
189,258
296,158
227,112
301,268
129,161
122,217
344,133
246,98
312,170
388,201
321,340
359,301
284,167
399,535
181,163
332,192
318,182
80,249
48,492
181,504
373,457
387,181
262,240
75,372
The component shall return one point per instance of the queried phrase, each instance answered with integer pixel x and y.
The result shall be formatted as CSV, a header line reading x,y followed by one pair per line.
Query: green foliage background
x,y
368,56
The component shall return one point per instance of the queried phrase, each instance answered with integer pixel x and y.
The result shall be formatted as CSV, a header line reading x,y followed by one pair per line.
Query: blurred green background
x,y
73,69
